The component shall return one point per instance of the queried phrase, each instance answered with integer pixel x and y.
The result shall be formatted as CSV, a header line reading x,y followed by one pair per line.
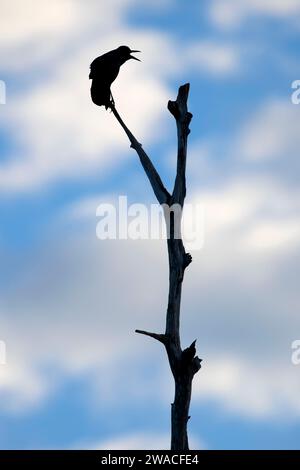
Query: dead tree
x,y
184,364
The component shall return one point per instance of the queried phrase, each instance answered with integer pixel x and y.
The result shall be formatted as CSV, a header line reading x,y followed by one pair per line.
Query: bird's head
x,y
125,53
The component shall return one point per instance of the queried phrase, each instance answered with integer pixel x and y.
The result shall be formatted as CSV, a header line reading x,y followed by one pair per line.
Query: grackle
x,y
104,70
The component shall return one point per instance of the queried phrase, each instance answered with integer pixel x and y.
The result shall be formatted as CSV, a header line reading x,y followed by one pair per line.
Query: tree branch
x,y
178,258
158,337
158,187
184,364
183,118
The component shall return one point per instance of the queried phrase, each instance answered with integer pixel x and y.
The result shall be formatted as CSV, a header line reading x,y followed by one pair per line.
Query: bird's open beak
x,y
135,58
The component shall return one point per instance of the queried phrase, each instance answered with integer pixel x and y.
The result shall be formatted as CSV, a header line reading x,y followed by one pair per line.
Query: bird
x,y
104,70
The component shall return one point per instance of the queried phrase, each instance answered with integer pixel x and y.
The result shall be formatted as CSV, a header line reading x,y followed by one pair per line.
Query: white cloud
x,y
241,282
37,34
25,20
233,12
139,441
271,133
270,235
77,303
213,57
250,323
43,332
59,131
21,387
264,214
249,389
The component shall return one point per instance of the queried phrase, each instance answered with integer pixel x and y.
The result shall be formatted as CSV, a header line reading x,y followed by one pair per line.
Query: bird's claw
x,y
111,105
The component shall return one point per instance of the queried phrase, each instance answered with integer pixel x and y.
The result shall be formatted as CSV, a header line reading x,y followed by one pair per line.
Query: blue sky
x,y
76,375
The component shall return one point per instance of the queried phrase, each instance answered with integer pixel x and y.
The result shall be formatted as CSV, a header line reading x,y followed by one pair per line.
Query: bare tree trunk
x,y
184,364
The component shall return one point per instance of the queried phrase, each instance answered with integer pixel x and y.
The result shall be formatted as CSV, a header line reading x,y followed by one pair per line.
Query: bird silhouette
x,y
104,70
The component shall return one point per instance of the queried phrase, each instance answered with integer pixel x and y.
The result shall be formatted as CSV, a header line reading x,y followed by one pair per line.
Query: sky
x,y
76,375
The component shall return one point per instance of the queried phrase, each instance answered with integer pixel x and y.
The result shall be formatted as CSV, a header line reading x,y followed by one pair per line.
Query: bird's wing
x,y
104,65
96,66
100,63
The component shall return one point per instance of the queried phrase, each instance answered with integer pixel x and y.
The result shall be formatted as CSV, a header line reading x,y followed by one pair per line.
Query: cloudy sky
x,y
76,375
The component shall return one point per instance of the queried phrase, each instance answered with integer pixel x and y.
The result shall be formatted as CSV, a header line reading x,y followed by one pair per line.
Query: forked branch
x,y
183,363
160,191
